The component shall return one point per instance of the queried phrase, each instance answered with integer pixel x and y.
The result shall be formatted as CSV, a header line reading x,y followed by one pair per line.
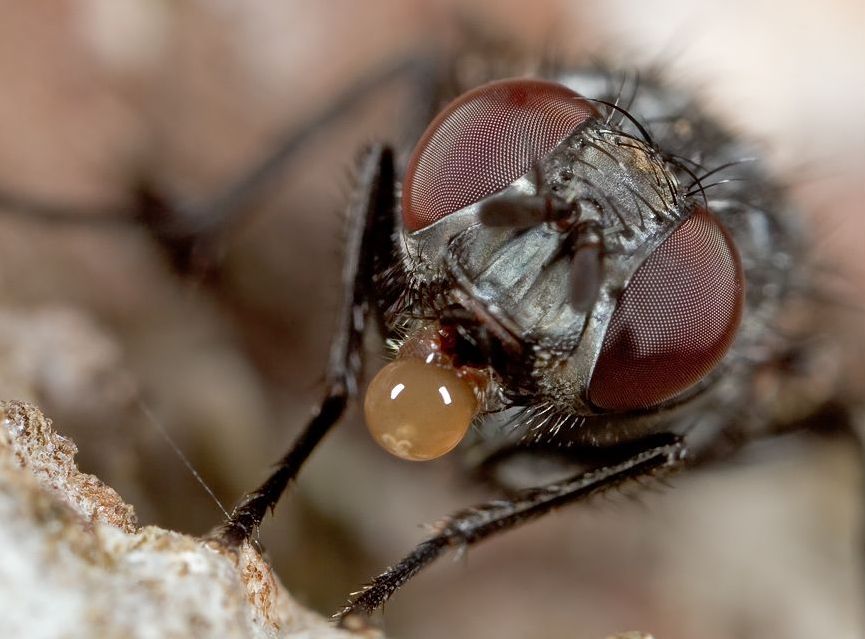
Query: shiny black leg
x,y
664,454
369,234
188,231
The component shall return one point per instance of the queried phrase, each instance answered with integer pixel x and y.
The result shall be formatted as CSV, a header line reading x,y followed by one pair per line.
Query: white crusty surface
x,y
75,563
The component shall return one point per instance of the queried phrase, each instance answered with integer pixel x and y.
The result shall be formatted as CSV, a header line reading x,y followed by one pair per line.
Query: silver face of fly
x,y
617,289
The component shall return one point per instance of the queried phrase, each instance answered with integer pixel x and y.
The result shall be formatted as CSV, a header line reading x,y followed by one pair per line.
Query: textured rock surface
x,y
75,563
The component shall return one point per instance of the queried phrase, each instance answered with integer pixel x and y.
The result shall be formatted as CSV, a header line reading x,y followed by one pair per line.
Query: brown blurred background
x,y
98,94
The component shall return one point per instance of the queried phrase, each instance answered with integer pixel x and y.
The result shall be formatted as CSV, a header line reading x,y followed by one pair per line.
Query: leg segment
x,y
562,459
472,525
370,228
187,230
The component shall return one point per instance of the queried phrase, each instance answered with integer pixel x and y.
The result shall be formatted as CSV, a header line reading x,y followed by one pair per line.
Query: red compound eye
x,y
483,141
675,320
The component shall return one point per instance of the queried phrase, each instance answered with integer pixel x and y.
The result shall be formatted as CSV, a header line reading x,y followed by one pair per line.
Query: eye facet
x,y
675,320
483,141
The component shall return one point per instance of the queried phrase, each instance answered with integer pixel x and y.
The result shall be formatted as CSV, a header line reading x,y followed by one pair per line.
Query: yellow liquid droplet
x,y
418,411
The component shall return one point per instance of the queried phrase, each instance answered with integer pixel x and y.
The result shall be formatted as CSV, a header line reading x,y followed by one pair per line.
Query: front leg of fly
x,y
655,458
370,229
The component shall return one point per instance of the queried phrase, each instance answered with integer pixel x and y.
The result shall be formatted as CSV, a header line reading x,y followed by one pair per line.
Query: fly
x,y
567,266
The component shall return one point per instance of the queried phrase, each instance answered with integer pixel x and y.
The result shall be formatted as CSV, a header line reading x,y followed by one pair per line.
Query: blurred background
x,y
98,95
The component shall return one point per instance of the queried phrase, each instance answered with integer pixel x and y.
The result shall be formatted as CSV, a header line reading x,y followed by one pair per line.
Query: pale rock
x,y
75,563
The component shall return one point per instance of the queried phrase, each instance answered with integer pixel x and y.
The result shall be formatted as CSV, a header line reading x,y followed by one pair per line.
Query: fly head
x,y
562,253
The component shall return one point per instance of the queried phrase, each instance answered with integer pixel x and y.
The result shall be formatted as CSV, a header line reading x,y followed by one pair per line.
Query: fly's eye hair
x,y
483,141
674,321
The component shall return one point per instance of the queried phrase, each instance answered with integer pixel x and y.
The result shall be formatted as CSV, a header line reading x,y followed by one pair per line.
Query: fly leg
x,y
186,231
506,468
371,225
189,231
663,455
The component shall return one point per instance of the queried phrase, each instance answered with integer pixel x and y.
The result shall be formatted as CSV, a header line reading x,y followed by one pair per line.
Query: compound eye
x,y
483,141
675,320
